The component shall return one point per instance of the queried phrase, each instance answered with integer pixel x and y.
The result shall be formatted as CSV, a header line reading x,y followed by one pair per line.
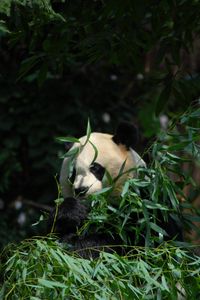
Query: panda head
x,y
97,156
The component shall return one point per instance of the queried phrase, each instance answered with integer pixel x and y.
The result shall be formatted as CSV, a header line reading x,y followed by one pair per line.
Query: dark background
x,y
62,62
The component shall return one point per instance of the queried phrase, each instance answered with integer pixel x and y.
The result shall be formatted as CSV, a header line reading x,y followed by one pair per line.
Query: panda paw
x,y
71,214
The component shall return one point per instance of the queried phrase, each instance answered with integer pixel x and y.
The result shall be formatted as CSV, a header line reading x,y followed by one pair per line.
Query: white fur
x,y
139,162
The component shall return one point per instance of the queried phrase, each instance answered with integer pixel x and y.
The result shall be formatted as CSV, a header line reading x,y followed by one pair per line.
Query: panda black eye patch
x,y
98,170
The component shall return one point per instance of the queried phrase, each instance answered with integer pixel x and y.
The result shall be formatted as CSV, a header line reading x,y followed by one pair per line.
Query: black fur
x,y
126,134
89,246
71,215
68,145
98,170
81,191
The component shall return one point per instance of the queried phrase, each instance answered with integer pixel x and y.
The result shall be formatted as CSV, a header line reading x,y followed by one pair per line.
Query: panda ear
x,y
68,145
126,134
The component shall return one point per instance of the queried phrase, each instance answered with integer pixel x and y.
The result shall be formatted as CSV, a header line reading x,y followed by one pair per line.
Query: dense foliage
x,y
41,269
64,61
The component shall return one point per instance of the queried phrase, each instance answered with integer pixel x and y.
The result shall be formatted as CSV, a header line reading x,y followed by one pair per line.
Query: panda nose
x,y
80,191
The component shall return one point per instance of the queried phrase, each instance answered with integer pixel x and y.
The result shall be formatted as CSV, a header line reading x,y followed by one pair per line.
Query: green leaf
x,y
28,64
164,283
157,228
59,201
50,284
153,205
121,170
39,221
88,133
68,139
95,152
193,218
73,152
104,190
125,189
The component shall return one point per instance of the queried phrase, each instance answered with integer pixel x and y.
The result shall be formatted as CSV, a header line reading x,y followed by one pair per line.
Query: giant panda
x,y
95,155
